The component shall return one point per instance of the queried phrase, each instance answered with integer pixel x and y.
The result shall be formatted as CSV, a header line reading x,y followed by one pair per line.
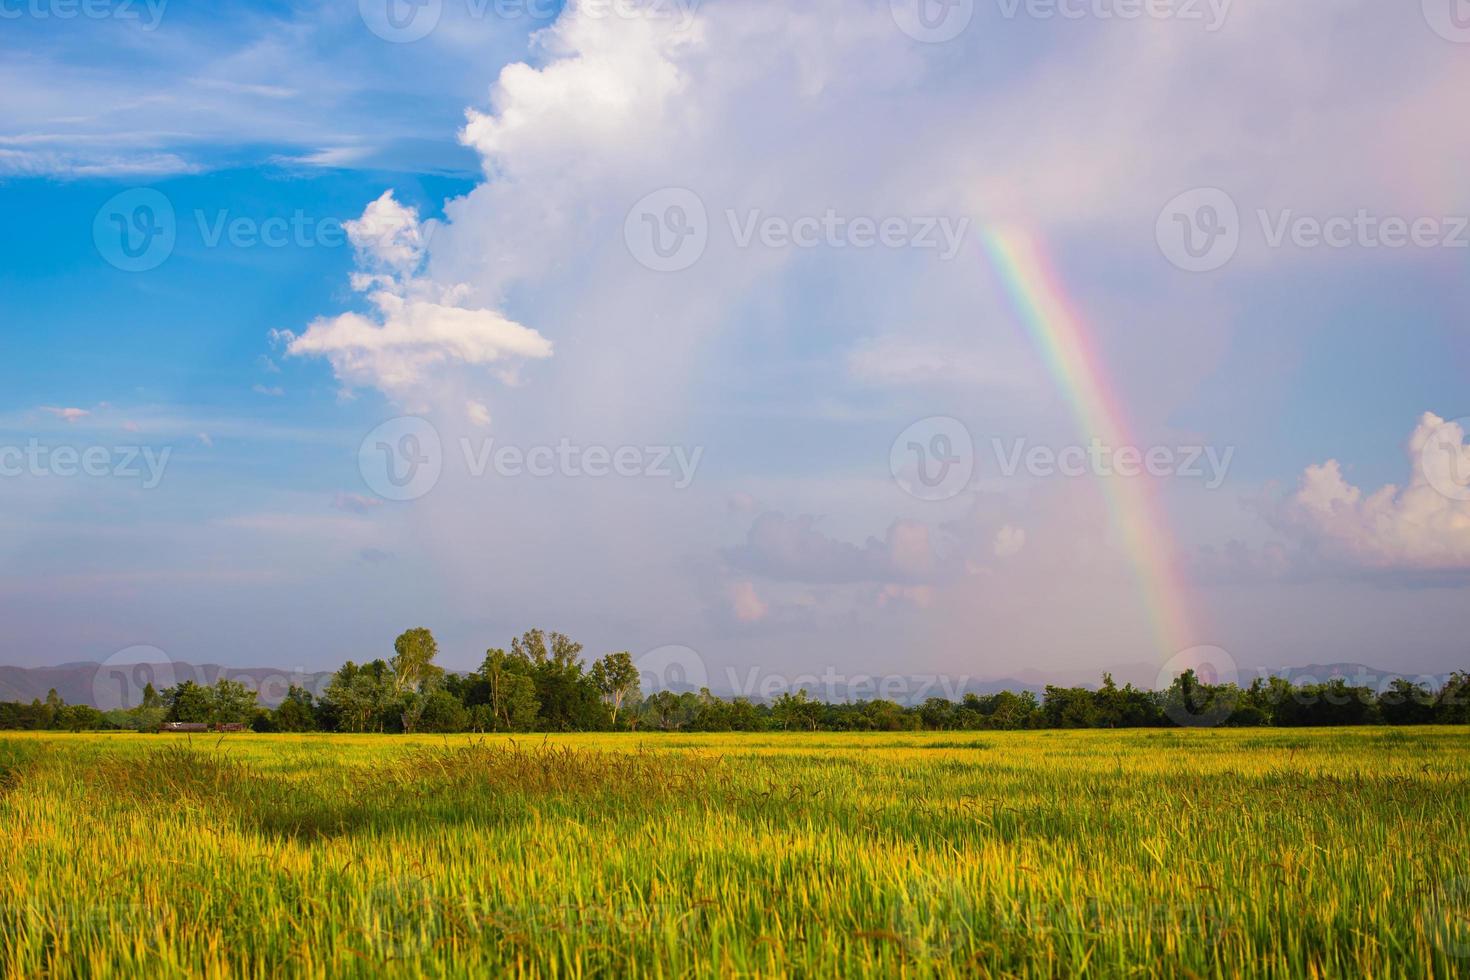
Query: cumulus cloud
x,y
388,239
418,326
614,109
610,80
1423,526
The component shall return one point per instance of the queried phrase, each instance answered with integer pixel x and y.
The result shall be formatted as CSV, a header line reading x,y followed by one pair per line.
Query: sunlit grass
x,y
1340,853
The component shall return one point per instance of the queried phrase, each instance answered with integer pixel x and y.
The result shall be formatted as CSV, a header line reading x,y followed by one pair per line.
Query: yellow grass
x,y
1166,853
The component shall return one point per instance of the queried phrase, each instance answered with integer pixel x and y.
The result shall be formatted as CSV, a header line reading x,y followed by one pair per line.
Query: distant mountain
x,y
112,685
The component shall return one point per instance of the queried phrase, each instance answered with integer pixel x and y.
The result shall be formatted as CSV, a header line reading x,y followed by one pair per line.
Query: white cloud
x,y
418,327
399,348
1415,528
389,239
74,164
612,79
330,157
772,107
67,414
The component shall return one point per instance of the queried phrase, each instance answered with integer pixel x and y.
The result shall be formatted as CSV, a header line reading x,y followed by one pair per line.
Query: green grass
x,y
1333,852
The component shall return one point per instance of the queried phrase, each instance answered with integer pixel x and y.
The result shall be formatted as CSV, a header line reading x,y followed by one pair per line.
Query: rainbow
x,y
1061,336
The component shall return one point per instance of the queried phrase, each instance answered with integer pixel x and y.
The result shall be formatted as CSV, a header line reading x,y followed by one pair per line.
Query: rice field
x,y
1090,853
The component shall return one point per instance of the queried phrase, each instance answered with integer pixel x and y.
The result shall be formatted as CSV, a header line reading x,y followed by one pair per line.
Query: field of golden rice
x,y
1151,853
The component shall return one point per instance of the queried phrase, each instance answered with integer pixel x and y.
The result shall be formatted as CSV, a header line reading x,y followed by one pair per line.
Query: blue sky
x,y
484,274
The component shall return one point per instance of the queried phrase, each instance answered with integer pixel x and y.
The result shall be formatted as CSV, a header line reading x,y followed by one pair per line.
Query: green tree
x,y
139,719
1406,703
231,702
410,708
889,716
80,718
670,711
296,713
745,716
712,715
939,714
616,679
1332,703
1191,702
51,710
413,660
1070,707
1452,703
187,702
360,698
505,686
569,699
440,711
797,711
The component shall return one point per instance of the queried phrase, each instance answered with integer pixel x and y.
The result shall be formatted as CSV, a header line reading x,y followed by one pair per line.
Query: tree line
x,y
544,684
